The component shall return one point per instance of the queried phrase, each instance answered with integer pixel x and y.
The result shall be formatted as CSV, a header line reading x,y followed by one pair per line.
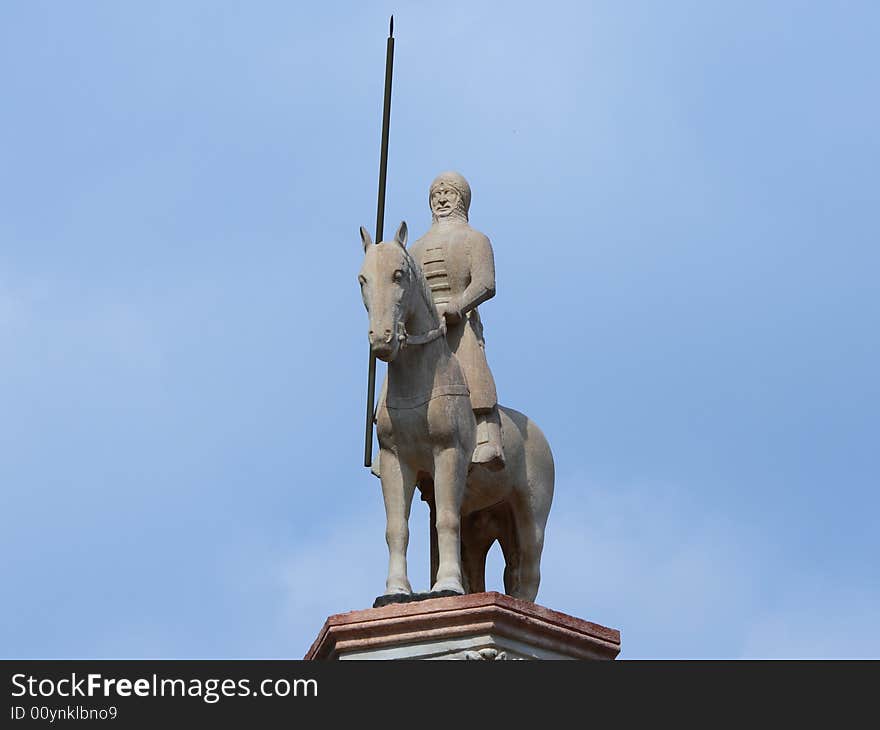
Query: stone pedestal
x,y
475,626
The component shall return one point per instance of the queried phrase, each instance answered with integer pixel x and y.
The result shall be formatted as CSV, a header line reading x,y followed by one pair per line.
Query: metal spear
x,y
380,225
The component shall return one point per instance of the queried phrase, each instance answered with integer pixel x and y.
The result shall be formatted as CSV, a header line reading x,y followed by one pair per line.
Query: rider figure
x,y
460,268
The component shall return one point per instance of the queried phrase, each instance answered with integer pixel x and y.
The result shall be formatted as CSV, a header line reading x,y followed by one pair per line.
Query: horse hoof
x,y
451,586
398,590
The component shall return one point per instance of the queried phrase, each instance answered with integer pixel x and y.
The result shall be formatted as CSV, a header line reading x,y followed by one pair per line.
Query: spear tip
x,y
391,28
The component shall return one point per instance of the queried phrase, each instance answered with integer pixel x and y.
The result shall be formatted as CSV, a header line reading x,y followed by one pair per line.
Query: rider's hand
x,y
451,312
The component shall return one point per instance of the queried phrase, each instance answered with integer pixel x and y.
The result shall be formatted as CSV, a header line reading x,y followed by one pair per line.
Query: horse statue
x,y
427,433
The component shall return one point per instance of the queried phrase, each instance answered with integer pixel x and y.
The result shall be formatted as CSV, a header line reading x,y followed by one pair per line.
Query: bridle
x,y
407,339
403,337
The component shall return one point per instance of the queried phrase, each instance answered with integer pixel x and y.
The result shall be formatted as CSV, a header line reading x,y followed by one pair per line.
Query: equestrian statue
x,y
485,470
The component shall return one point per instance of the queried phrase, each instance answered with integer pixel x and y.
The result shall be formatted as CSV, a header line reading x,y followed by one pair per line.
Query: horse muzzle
x,y
384,346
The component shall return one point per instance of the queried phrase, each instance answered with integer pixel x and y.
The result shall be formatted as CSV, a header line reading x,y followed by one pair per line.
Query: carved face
x,y
444,200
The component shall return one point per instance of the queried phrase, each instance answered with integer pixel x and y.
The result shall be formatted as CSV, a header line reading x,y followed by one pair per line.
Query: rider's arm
x,y
482,284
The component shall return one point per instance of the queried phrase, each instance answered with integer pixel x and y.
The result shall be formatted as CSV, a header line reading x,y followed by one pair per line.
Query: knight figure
x,y
459,266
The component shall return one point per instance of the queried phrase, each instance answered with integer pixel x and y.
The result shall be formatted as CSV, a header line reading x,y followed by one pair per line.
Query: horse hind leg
x,y
479,531
529,531
475,545
507,538
530,503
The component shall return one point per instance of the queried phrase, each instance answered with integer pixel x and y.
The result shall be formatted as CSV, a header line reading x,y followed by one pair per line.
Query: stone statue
x,y
459,264
423,323
460,268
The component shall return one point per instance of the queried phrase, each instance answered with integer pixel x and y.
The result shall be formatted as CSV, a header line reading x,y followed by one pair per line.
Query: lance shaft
x,y
380,225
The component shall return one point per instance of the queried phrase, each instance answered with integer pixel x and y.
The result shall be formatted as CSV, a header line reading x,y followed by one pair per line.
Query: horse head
x,y
387,279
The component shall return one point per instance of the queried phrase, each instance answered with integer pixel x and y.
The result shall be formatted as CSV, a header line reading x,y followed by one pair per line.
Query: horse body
x,y
427,434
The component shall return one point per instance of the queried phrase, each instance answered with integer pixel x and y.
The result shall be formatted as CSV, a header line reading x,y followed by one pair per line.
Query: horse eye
x,y
398,275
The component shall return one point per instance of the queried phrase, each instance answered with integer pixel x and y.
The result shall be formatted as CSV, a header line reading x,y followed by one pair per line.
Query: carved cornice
x,y
462,616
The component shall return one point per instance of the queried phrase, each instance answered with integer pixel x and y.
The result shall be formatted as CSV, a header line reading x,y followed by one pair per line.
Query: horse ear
x,y
400,236
365,237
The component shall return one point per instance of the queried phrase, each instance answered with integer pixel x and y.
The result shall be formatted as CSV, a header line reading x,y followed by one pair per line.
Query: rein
x,y
439,331
422,339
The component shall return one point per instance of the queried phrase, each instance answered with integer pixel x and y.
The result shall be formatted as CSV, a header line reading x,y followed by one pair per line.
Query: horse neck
x,y
418,365
423,316
420,368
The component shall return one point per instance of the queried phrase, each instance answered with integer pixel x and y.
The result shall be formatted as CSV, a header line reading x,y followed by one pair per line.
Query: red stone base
x,y
473,626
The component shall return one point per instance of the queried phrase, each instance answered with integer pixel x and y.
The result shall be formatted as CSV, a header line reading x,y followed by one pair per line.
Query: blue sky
x,y
683,202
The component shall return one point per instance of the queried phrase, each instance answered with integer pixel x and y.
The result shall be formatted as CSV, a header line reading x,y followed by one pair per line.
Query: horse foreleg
x,y
450,472
398,485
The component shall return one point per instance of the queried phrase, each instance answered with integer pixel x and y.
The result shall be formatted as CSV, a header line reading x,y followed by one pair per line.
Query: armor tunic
x,y
459,266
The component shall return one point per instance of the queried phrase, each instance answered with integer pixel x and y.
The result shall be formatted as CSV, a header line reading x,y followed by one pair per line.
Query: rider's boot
x,y
489,452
